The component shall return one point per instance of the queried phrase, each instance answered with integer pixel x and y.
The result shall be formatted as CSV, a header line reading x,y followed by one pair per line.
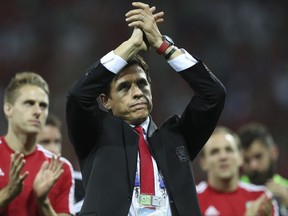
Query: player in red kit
x,y
60,194
223,193
32,181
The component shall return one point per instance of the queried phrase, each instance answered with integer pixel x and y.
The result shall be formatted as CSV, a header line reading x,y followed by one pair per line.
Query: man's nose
x,y
37,109
254,164
223,155
136,91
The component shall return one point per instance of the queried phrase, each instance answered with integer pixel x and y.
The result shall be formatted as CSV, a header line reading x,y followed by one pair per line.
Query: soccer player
x,y
223,193
33,182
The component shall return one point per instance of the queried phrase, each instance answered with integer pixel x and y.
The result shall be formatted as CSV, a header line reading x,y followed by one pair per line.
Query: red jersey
x,y
214,203
61,195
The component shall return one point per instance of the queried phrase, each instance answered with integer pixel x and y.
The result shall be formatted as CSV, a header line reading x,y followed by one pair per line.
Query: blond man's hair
x,y
22,79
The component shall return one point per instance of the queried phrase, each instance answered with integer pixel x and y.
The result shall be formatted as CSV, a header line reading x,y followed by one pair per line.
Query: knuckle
x,y
146,6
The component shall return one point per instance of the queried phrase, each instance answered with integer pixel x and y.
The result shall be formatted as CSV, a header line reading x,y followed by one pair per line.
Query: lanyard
x,y
160,178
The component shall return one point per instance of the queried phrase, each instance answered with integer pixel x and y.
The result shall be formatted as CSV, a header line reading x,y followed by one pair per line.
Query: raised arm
x,y
202,114
82,108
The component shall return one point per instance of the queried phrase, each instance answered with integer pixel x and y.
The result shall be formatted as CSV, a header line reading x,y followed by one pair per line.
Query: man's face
x,y
258,163
29,112
221,157
50,137
130,96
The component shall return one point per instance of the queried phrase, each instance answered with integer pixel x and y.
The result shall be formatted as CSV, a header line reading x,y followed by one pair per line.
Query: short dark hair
x,y
135,60
54,121
255,131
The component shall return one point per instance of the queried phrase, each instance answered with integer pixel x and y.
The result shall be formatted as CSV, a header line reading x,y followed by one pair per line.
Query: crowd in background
x,y
243,42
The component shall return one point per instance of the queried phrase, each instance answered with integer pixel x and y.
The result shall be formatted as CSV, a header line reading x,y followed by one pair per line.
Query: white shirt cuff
x,y
112,62
182,62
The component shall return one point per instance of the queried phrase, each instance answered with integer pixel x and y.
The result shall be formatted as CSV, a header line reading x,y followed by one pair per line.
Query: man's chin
x,y
226,176
139,119
258,180
33,132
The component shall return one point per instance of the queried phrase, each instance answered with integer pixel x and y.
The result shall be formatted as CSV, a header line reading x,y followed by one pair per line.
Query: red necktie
x,y
146,166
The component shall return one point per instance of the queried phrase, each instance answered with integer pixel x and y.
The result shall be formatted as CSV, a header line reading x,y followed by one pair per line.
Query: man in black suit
x,y
106,143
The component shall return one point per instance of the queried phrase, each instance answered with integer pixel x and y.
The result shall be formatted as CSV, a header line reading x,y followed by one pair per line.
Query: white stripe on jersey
x,y
201,187
251,187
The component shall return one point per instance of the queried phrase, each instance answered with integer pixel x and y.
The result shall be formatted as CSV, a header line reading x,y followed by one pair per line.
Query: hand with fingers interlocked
x,y
143,17
145,33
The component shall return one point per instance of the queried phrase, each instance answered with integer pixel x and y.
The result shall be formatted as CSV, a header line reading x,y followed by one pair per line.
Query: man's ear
x,y
105,101
202,163
7,108
241,158
274,152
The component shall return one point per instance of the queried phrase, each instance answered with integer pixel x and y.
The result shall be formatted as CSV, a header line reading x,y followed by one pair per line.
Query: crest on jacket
x,y
182,153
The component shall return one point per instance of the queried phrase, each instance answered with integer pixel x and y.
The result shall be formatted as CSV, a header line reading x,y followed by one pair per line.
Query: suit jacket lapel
x,y
151,128
156,148
130,139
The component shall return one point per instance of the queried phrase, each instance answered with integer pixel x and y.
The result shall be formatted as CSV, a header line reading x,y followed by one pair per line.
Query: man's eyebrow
x,y
29,101
122,84
214,150
141,79
44,141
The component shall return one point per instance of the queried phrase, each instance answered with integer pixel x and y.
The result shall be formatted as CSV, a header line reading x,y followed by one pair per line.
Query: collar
x,y
144,125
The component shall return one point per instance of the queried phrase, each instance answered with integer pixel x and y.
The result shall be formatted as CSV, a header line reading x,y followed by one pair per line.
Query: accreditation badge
x,y
151,205
145,199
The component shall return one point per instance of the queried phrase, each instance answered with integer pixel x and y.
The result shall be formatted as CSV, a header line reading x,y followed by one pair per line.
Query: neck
x,y
136,122
24,143
224,185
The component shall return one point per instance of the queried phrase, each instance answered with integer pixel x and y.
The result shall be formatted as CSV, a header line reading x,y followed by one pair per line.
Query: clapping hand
x,y
142,17
15,183
46,178
261,206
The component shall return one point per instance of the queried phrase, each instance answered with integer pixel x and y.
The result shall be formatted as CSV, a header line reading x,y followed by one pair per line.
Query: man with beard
x,y
260,155
223,193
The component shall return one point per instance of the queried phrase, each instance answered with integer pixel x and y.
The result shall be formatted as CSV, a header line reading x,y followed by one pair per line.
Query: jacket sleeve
x,y
203,111
83,113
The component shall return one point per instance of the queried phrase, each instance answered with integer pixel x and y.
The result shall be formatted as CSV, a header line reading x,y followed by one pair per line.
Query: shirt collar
x,y
144,125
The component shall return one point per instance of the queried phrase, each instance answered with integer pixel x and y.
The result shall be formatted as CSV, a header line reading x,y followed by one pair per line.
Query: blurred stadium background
x,y
244,42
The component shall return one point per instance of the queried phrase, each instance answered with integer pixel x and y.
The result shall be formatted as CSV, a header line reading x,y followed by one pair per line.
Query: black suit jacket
x,y
106,146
